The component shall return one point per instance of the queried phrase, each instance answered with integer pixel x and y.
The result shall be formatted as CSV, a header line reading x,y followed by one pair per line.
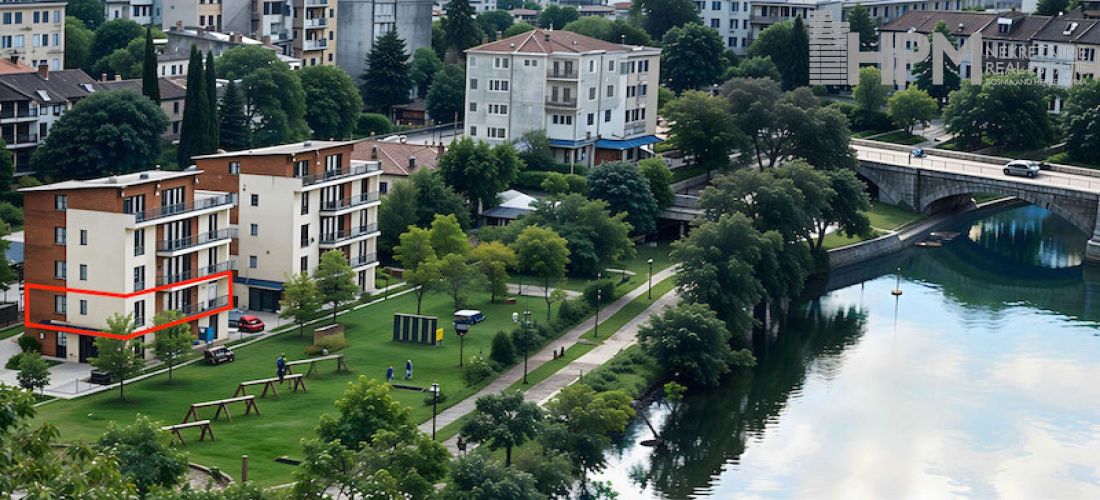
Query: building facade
x,y
206,14
297,202
315,32
597,101
34,32
144,12
151,232
31,101
361,21
172,96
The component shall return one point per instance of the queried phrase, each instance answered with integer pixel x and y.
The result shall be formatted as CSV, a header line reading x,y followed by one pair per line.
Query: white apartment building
x,y
151,238
144,12
298,201
597,101
34,32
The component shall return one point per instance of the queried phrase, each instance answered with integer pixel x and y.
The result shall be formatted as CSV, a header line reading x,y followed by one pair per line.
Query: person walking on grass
x,y
280,367
408,369
389,375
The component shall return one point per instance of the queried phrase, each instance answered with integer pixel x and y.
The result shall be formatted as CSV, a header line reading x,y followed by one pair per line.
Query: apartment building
x,y
144,12
597,101
34,32
172,97
173,64
31,101
397,160
206,14
361,21
314,29
297,201
154,232
963,25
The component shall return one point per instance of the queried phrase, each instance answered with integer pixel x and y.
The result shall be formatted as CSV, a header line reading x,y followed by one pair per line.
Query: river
x,y
981,380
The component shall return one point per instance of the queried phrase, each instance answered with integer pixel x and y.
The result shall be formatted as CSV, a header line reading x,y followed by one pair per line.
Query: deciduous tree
x,y
457,277
583,421
494,259
923,70
912,106
78,42
113,35
625,189
754,67
870,94
335,280
692,57
555,16
1081,121
117,356
494,21
659,16
425,63
89,12
447,94
447,236
478,477
542,253
145,454
275,102
365,409
172,344
301,300
1052,7
690,341
660,181
478,171
333,104
503,421
394,464
520,27
701,126
1007,109
34,372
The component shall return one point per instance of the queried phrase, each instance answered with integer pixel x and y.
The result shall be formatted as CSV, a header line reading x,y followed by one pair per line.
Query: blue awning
x,y
628,143
258,283
562,143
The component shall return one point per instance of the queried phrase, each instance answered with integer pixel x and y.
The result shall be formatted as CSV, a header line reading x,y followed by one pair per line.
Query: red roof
x,y
7,67
540,41
395,156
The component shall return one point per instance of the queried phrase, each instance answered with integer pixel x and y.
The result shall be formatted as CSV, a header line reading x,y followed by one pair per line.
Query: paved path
x,y
559,379
537,291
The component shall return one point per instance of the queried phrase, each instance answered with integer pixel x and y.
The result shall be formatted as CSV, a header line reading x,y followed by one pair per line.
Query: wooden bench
x,y
222,404
202,424
313,363
295,380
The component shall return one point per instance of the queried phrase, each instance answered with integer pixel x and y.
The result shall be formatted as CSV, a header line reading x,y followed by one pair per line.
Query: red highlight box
x,y
34,286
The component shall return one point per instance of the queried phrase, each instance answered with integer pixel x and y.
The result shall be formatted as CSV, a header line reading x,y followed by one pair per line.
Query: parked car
x,y
1024,168
250,323
235,317
218,355
100,377
469,317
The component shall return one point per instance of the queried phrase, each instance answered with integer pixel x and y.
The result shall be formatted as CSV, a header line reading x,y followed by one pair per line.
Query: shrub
x,y
333,342
477,369
820,90
373,122
28,343
571,312
577,184
863,119
13,362
428,400
502,352
605,286
28,181
531,179
11,214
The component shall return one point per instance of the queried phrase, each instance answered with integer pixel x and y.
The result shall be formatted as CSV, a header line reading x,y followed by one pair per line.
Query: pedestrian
x,y
280,367
408,369
389,374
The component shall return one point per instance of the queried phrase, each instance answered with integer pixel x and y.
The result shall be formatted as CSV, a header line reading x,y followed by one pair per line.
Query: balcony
x,y
363,260
354,201
348,234
561,102
182,208
21,139
15,114
316,3
332,175
193,241
168,279
319,22
204,305
314,44
562,74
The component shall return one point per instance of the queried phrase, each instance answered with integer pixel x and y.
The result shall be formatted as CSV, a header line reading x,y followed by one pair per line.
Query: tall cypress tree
x,y
800,55
386,81
211,87
234,132
193,134
150,86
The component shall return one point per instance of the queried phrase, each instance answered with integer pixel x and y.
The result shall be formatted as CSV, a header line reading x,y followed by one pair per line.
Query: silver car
x,y
1023,168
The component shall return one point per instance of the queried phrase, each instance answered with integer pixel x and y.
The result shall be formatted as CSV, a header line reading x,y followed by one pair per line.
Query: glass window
x,y
84,307
83,272
234,168
60,202
255,200
59,304
59,236
59,269
255,229
83,236
253,262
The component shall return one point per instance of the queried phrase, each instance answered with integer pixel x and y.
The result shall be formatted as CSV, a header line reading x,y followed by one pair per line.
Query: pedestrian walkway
x,y
537,291
555,382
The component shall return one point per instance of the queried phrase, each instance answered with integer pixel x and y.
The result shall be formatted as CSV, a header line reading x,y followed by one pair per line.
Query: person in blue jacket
x,y
408,369
389,374
280,367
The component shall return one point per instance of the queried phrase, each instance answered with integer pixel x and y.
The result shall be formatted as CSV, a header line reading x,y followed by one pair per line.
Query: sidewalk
x,y
537,291
567,374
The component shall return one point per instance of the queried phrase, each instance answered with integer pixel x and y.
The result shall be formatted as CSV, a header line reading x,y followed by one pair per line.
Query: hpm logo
x,y
835,57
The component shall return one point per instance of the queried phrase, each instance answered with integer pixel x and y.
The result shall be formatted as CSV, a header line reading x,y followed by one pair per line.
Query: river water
x,y
982,380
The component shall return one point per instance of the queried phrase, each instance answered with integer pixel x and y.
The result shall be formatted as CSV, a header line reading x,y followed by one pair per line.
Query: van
x,y
469,317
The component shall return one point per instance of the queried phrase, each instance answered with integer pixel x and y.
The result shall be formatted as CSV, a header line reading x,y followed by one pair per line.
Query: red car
x,y
249,323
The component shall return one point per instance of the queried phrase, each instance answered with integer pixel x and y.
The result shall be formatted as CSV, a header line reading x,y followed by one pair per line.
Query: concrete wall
x,y
358,25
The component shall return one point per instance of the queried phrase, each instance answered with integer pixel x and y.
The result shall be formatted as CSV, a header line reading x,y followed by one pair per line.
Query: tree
x,y
460,31
590,26
447,94
870,94
333,104
922,71
846,207
1081,121
478,171
800,54
424,278
447,237
788,49
89,12
507,5
108,132
554,16
210,85
150,85
1052,7
912,106
425,63
458,276
78,42
34,372
543,254
117,356
1006,109
754,67
7,170
494,259
365,409
124,63
503,421
416,203
273,94
335,280
234,133
478,478
534,149
386,82
659,16
145,454
625,33
690,341
583,421
195,136
859,21
301,300
691,57
660,181
493,22
113,35
518,28
625,189
415,248
393,464
172,344
700,125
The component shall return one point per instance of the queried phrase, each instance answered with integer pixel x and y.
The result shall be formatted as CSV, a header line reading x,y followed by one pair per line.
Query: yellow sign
x,y
439,335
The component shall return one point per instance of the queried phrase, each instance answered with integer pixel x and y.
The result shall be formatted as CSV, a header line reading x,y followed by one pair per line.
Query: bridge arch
x,y
1085,224
886,191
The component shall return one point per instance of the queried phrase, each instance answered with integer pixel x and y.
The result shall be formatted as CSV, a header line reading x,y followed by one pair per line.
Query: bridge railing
x,y
986,170
959,155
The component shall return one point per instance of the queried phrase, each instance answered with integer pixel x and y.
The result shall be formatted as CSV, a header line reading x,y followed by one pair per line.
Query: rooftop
x,y
282,149
169,90
542,41
924,21
115,181
57,86
394,157
1063,30
7,66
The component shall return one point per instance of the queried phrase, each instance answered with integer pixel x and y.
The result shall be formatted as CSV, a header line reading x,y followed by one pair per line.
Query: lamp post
x,y
435,406
650,295
526,337
599,299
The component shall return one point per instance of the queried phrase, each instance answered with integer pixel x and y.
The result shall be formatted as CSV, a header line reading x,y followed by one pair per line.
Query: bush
x,y
531,179
13,362
820,90
571,312
373,123
577,184
429,400
477,369
606,286
10,213
332,343
28,181
502,352
863,119
28,343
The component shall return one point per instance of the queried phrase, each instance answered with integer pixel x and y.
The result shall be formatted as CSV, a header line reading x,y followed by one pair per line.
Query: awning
x,y
562,143
258,283
628,143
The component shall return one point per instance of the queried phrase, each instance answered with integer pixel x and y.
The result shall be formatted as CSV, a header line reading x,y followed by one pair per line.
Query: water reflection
x,y
983,385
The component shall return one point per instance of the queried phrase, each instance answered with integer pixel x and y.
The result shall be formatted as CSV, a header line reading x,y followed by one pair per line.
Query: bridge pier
x,y
1092,248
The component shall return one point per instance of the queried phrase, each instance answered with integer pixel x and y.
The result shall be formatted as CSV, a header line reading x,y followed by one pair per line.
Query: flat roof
x,y
116,181
281,149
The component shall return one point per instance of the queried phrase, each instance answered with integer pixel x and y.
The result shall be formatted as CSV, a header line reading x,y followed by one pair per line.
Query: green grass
x,y
866,133
551,367
285,421
629,311
11,331
890,217
630,370
901,137
837,240
662,259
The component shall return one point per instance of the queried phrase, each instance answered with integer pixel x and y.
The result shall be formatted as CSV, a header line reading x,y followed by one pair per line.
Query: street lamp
x,y
435,405
599,299
526,337
650,262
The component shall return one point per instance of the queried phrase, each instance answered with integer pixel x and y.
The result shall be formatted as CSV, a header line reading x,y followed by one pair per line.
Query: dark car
x,y
219,355
100,377
250,323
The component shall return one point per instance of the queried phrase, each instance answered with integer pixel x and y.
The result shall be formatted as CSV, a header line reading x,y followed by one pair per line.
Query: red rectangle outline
x,y
34,286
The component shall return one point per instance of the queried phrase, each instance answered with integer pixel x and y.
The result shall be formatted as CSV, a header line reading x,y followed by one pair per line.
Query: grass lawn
x,y
866,133
285,421
551,367
890,217
901,137
629,311
837,240
661,260
11,331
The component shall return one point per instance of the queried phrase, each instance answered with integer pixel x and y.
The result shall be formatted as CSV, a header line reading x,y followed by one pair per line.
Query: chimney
x,y
44,71
374,152
267,40
103,77
118,78
179,25
484,39
412,162
15,58
440,148
500,35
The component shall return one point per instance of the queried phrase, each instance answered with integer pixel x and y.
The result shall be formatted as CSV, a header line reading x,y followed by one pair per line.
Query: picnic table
x,y
312,362
295,380
201,424
222,404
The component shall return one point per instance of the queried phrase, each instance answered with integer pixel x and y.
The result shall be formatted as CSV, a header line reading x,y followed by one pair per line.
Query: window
x,y
496,133
607,116
139,313
498,109
83,237
59,269
83,272
591,66
473,107
591,119
254,230
591,93
611,66
562,119
715,5
610,91
139,278
234,168
139,242
500,62
59,236
498,85
383,187
473,131
473,82
59,304
303,235
60,202
253,262
305,203
255,200
301,168
715,23
84,307
333,162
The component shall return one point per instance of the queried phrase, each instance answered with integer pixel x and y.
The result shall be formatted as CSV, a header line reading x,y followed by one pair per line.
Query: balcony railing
x,y
139,285
314,44
317,22
18,113
562,74
168,279
308,180
562,102
347,234
362,260
200,239
202,305
21,138
354,201
316,2
190,206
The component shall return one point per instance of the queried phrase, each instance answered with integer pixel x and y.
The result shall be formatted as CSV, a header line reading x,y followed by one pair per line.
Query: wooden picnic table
x,y
295,380
312,362
202,424
222,404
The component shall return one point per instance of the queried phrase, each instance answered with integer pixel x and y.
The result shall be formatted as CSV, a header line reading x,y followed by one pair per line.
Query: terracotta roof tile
x,y
394,156
540,41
